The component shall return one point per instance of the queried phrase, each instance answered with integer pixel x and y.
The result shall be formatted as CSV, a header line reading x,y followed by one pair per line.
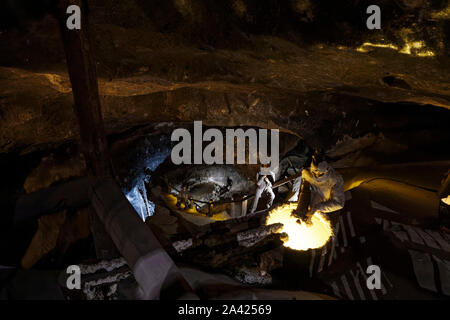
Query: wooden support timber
x,y
83,77
154,270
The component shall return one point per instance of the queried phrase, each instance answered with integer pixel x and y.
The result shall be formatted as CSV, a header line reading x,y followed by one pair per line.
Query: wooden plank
x,y
356,279
323,255
413,235
445,245
444,274
286,180
311,262
83,77
82,71
350,224
401,235
347,289
423,269
429,241
344,235
378,206
333,245
336,290
153,269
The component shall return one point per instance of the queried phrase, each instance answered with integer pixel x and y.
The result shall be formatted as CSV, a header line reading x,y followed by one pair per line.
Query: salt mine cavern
x,y
236,149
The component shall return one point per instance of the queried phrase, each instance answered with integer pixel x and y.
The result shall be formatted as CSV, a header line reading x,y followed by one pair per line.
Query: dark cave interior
x,y
88,177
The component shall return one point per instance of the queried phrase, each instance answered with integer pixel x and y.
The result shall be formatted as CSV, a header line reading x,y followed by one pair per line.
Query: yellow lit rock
x,y
446,200
416,48
365,45
171,201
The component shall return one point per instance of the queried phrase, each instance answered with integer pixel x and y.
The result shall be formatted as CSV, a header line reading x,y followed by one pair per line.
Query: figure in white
x,y
263,185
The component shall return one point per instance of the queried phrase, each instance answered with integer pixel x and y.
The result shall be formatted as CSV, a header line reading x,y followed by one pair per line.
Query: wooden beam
x,y
83,77
154,270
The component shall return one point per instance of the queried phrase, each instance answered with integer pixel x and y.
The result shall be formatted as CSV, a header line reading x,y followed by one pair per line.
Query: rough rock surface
x,y
175,62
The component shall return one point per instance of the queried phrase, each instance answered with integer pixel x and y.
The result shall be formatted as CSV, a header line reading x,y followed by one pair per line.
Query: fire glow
x,y
302,236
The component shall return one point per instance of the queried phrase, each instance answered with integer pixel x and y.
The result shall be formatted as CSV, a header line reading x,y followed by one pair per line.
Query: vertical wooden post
x,y
153,269
244,207
83,77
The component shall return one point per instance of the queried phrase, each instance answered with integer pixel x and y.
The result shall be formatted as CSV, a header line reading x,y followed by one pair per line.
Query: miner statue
x,y
322,189
183,199
264,185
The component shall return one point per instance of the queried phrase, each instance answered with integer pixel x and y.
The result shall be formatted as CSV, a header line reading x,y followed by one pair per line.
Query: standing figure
x,y
326,186
183,198
263,185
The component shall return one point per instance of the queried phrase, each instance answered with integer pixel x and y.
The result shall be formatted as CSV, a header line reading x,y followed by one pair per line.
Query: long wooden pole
x,y
83,77
153,269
